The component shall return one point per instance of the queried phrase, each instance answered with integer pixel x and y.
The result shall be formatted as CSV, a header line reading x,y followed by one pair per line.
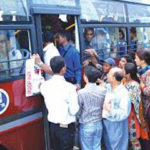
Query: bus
x,y
111,27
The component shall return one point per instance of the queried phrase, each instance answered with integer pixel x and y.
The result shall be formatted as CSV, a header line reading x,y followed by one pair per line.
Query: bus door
x,y
55,23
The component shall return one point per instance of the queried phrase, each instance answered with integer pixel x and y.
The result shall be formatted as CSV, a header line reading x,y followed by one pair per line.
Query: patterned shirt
x,y
91,100
120,103
135,95
145,78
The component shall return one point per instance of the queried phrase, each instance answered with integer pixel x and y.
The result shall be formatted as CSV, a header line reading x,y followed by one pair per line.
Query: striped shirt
x,y
91,100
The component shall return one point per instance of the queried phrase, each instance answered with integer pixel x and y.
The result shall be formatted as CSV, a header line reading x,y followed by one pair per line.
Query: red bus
x,y
23,122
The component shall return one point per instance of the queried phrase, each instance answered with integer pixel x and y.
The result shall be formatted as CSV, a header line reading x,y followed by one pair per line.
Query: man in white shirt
x,y
61,101
116,109
8,52
49,50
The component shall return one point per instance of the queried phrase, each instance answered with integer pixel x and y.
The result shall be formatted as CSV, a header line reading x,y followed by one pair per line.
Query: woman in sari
x,y
136,122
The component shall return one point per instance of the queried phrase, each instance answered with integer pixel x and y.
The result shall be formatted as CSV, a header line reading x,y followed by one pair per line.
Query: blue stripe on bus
x,y
19,122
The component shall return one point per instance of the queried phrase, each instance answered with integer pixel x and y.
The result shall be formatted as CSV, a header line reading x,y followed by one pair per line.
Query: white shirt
x,y
61,100
120,103
50,51
14,65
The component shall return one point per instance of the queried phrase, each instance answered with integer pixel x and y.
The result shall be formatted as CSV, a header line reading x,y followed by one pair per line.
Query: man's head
x,y
115,75
108,64
4,42
48,37
63,37
91,74
57,64
89,34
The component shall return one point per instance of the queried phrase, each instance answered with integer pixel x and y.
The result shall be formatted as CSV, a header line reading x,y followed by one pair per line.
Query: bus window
x,y
139,38
15,10
14,50
138,1
138,13
102,11
108,42
118,42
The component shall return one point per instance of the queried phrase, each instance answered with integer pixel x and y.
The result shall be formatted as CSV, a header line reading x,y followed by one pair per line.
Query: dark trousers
x,y
71,80
62,138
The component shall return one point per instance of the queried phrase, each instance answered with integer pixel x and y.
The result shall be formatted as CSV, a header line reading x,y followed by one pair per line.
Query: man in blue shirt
x,y
72,58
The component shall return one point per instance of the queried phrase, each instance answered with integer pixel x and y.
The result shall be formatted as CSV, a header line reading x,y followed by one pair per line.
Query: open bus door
x,y
55,23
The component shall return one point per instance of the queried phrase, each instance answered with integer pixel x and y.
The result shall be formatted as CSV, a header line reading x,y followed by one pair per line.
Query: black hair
x,y
118,76
88,29
128,58
133,30
130,68
121,31
57,63
92,74
48,36
65,33
144,55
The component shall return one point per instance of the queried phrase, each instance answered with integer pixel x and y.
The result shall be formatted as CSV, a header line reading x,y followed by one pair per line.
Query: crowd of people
x,y
111,109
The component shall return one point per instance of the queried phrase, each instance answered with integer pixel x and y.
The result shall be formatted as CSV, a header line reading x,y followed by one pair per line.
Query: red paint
x,y
29,136
25,137
18,101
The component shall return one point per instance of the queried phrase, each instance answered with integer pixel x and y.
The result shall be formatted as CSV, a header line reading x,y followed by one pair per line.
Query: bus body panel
x,y
18,102
28,136
21,131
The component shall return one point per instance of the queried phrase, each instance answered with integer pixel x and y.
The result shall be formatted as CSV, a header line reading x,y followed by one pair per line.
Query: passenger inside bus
x,y
122,43
49,50
87,44
101,44
133,43
64,40
88,35
9,52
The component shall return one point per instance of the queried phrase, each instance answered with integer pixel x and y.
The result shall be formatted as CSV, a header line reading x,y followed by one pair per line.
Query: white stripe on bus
x,y
19,122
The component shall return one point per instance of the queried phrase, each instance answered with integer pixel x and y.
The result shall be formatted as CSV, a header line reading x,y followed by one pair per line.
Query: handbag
x,y
33,78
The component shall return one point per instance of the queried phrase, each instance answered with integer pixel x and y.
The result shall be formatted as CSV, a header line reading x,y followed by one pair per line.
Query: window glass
x,y
101,11
56,2
138,1
138,13
14,50
13,10
139,38
108,42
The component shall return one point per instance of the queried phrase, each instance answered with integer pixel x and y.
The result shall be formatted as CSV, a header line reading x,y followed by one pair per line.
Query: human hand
x,y
91,52
142,85
86,63
37,58
107,106
78,87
